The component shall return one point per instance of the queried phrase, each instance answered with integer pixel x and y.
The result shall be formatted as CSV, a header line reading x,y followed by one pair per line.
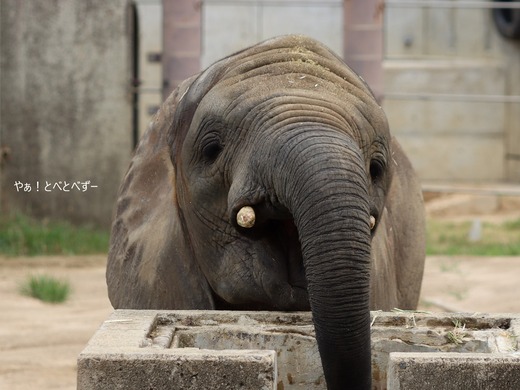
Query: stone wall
x,y
65,106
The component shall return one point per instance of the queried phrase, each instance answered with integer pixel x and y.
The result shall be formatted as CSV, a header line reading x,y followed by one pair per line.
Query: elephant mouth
x,y
278,237
285,236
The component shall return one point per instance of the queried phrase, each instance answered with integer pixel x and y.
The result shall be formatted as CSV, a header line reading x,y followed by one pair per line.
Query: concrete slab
x,y
448,371
266,350
186,369
448,139
248,22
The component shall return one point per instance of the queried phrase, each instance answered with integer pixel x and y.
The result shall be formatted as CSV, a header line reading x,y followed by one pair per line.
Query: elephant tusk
x,y
246,217
372,222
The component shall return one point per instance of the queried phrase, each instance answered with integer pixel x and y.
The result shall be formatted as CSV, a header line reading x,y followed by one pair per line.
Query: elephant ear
x,y
150,265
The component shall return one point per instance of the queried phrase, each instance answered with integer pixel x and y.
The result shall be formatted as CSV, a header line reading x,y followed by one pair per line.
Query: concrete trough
x,y
275,350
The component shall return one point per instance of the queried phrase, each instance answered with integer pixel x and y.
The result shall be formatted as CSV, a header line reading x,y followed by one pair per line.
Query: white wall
x,y
231,25
452,51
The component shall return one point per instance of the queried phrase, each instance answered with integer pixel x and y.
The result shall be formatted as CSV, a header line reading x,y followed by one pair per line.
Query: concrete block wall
x,y
438,32
418,40
447,51
449,140
448,371
231,25
275,350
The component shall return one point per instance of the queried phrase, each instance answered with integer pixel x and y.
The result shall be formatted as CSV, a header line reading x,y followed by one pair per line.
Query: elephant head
x,y
260,185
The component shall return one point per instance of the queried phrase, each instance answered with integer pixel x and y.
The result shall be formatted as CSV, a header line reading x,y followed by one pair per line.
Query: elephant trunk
x,y
323,185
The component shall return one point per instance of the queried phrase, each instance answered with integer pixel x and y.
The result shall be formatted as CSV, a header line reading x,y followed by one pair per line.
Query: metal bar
x,y
147,2
452,4
300,3
453,97
491,189
146,90
149,90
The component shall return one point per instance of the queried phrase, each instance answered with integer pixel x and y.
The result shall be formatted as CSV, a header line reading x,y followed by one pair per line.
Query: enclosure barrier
x,y
496,5
277,350
452,4
451,97
509,190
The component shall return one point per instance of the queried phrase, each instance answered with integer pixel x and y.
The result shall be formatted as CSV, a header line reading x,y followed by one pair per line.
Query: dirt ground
x,y
39,342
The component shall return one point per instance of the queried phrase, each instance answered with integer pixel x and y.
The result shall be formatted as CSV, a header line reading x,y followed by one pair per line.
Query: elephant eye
x,y
211,150
377,169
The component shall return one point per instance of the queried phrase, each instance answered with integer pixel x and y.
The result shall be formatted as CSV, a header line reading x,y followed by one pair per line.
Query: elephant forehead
x,y
282,64
268,98
288,55
289,75
283,77
286,75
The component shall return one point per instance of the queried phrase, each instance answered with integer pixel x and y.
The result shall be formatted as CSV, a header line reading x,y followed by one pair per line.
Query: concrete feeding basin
x,y
277,350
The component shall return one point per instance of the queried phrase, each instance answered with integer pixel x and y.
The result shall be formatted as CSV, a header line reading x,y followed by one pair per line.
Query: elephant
x,y
270,181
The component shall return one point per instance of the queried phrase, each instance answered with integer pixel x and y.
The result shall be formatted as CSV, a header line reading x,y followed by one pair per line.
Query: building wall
x,y
65,106
232,25
453,51
198,33
510,52
181,42
363,41
427,50
150,52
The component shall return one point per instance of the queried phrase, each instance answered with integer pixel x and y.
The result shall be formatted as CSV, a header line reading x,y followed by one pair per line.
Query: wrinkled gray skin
x,y
287,128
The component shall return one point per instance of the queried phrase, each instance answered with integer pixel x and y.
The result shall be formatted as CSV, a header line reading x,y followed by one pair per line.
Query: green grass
x,y
23,236
46,289
452,238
